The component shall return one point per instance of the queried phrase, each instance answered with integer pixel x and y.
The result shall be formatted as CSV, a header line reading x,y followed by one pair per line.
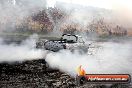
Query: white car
x,y
67,41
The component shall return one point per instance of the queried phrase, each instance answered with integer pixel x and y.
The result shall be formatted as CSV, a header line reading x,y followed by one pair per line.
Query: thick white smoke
x,y
14,12
20,52
112,58
114,12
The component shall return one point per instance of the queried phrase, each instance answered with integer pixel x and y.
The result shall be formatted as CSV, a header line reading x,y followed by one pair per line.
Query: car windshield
x,y
71,38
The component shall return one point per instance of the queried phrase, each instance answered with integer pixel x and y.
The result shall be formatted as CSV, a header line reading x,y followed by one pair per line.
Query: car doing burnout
x,y
67,41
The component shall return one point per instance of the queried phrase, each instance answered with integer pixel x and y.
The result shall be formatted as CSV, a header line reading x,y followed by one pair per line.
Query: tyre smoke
x,y
20,52
112,58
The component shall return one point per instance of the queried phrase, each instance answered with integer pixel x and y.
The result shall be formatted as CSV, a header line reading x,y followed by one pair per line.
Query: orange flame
x,y
81,71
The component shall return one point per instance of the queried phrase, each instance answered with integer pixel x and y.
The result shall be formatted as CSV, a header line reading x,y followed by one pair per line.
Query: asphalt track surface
x,y
37,74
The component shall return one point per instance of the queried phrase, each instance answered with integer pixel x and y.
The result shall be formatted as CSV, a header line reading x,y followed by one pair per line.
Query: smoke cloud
x,y
20,52
13,12
112,58
113,12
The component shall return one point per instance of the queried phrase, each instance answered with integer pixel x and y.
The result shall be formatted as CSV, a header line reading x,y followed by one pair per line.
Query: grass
x,y
27,34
